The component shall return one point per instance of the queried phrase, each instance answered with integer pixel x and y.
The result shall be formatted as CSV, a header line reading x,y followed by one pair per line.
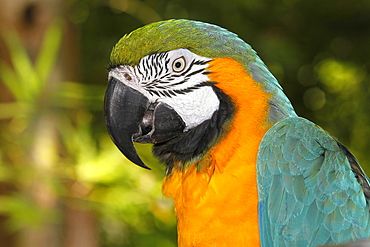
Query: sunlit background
x,y
62,181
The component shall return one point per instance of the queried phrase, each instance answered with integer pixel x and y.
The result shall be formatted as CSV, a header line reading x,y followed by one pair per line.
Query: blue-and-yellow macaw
x,y
242,168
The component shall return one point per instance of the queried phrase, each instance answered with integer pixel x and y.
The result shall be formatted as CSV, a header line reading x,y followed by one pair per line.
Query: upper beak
x,y
130,116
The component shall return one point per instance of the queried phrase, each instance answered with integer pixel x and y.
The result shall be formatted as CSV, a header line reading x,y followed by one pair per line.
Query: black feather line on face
x,y
166,92
198,140
194,72
138,70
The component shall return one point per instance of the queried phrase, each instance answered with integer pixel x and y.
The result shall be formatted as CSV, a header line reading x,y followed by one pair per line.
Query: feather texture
x,y
308,192
205,40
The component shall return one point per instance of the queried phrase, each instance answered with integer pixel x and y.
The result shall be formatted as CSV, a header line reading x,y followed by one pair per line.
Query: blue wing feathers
x,y
321,236
300,192
308,192
326,206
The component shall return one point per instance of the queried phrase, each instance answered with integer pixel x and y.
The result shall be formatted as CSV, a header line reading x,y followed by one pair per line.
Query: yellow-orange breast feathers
x,y
217,203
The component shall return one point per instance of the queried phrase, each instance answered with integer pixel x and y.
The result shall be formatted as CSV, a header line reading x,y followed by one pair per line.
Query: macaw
x,y
242,168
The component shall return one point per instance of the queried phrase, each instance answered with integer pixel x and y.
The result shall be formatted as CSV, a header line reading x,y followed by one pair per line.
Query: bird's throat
x,y
216,197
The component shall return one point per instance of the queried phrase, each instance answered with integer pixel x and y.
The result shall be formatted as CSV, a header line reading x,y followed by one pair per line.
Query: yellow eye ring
x,y
179,64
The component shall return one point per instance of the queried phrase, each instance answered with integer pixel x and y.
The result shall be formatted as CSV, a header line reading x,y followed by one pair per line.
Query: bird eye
x,y
179,64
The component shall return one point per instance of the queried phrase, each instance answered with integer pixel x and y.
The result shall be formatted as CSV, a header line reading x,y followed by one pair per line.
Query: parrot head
x,y
161,91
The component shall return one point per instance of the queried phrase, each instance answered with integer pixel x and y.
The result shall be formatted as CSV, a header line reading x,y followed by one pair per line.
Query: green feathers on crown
x,y
205,40
201,38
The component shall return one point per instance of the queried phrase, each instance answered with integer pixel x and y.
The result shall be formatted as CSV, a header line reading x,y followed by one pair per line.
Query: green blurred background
x,y
62,181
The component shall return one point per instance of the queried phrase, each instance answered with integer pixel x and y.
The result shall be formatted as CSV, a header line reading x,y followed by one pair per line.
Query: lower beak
x,y
130,116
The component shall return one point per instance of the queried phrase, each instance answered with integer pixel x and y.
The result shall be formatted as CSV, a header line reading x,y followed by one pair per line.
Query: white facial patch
x,y
194,107
177,78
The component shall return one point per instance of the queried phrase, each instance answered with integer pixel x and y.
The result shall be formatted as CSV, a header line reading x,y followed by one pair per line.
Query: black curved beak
x,y
130,116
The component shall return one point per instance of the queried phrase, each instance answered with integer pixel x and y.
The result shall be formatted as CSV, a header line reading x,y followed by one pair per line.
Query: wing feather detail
x,y
311,189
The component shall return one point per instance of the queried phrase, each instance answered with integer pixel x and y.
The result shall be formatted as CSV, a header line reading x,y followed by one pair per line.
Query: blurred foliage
x,y
318,50
80,163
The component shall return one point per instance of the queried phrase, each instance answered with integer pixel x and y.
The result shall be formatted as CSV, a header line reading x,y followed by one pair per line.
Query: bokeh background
x,y
62,181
